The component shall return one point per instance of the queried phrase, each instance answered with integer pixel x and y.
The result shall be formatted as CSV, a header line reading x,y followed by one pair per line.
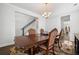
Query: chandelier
x,y
46,11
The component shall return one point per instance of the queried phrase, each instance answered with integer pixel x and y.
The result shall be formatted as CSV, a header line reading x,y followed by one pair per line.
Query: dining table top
x,y
25,41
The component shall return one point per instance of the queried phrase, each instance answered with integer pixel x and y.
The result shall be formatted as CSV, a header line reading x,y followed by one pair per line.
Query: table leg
x,y
32,51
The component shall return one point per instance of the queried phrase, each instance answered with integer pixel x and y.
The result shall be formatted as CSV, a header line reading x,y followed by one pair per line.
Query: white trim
x,y
6,44
25,11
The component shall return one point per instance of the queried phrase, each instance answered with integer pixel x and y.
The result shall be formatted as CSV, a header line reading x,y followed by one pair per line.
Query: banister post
x,y
23,32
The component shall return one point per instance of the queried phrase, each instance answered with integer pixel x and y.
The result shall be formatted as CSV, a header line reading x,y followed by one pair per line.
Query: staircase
x,y
27,26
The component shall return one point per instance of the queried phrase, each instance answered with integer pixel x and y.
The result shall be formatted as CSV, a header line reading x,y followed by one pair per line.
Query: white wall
x,y
7,23
41,24
74,23
53,22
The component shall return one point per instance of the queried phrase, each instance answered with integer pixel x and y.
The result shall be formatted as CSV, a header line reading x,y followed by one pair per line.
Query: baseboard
x,y
6,44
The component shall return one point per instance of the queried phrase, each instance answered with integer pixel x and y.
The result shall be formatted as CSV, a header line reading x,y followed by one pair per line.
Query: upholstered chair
x,y
32,34
59,38
32,37
41,31
50,44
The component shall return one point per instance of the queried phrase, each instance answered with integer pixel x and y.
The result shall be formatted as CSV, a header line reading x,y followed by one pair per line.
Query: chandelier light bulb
x,y
46,12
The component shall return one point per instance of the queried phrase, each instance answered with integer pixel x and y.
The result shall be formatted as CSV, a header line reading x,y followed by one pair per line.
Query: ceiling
x,y
53,7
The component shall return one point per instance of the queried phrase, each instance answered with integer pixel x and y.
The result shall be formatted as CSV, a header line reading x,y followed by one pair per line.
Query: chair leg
x,y
31,51
58,44
53,50
47,52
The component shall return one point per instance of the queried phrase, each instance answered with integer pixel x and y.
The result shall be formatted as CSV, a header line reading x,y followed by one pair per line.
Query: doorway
x,y
65,25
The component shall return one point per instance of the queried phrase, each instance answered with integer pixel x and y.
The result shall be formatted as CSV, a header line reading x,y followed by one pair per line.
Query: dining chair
x,y
59,38
32,37
32,33
50,43
42,34
41,31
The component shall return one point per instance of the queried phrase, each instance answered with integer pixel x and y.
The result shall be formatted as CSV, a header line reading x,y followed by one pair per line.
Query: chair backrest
x,y
52,37
41,31
32,33
61,34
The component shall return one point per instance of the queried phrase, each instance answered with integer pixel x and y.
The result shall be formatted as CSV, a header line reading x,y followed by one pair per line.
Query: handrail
x,y
27,26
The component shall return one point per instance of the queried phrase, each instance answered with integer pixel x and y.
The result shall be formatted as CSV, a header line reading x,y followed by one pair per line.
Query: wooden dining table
x,y
27,43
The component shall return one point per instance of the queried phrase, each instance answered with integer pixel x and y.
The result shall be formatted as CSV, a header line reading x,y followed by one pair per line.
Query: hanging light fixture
x,y
46,11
